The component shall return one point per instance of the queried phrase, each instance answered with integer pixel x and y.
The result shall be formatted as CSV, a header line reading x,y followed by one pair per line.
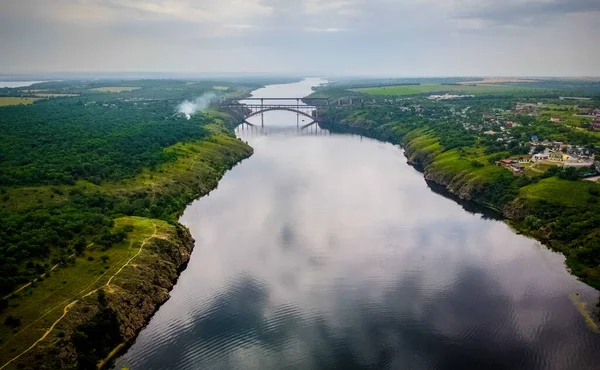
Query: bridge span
x,y
251,107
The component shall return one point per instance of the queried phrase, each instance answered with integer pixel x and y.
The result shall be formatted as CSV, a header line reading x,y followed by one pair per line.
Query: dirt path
x,y
68,307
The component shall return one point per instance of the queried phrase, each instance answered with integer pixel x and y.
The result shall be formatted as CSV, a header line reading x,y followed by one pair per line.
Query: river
x,y
327,251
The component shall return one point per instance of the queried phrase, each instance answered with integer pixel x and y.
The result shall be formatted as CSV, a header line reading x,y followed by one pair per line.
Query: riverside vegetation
x,y
457,144
91,187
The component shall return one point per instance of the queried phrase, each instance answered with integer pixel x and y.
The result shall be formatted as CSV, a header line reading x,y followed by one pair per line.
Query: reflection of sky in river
x,y
331,252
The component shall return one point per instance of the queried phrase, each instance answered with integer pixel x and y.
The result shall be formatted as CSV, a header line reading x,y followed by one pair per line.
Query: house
x,y
554,119
559,157
517,167
540,157
596,124
511,164
534,139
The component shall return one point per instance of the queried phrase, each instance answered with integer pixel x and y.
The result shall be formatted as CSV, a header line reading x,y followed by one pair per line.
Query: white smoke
x,y
188,108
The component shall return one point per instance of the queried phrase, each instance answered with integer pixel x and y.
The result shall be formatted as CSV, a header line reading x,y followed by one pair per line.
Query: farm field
x,y
5,101
115,89
43,95
423,89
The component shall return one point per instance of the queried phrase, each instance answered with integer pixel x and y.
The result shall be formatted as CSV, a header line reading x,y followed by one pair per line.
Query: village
x,y
544,154
515,131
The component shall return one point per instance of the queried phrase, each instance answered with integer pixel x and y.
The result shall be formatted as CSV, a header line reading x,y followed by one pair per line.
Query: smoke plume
x,y
199,104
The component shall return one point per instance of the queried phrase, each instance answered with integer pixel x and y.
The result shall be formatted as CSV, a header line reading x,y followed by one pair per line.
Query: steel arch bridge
x,y
250,109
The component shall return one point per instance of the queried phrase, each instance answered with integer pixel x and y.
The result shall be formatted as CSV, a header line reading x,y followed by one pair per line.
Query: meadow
x,y
437,88
115,89
6,101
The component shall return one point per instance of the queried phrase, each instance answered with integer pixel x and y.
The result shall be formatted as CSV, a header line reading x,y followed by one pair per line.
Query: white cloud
x,y
241,26
331,30
339,7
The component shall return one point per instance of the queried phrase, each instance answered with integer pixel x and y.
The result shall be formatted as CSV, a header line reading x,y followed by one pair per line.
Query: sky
x,y
309,37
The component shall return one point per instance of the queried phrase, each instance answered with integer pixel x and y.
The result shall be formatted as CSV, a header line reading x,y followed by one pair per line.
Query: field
x,y
424,89
5,101
497,80
115,89
54,95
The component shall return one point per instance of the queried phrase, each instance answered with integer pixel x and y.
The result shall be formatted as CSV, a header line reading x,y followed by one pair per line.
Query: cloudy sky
x,y
323,37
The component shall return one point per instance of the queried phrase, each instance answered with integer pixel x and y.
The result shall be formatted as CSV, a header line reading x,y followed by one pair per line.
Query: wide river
x,y
327,251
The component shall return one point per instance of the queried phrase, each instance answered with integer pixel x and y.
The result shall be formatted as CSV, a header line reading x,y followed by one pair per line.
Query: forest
x,y
64,162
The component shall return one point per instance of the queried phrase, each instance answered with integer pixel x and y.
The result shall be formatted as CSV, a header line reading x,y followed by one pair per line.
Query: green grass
x,y
39,306
561,192
115,89
5,101
451,162
423,89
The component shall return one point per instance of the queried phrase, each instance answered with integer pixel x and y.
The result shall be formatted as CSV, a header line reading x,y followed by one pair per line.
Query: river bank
x,y
100,298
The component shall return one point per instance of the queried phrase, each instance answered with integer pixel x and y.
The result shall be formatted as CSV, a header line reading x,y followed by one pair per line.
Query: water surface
x,y
13,84
327,251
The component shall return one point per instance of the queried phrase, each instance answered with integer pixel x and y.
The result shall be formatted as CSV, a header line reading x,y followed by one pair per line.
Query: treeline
x,y
59,142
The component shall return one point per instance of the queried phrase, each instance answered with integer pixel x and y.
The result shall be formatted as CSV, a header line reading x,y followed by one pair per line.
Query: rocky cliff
x,y
113,314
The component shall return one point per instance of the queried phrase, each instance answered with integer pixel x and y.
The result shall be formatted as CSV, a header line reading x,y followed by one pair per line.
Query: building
x,y
540,157
504,162
517,167
524,159
554,119
512,165
559,157
596,123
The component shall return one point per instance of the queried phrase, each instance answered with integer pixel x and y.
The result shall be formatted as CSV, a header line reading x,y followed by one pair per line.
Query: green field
x,y
55,95
563,192
115,89
424,89
5,101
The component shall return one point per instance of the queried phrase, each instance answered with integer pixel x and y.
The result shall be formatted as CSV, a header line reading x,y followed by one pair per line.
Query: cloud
x,y
147,10
330,30
512,11
240,26
405,37
339,7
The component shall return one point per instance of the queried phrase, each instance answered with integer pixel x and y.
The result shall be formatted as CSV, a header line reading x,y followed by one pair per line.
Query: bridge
x,y
252,107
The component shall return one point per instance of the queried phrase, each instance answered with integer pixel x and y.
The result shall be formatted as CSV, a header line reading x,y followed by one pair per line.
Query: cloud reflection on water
x,y
330,252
